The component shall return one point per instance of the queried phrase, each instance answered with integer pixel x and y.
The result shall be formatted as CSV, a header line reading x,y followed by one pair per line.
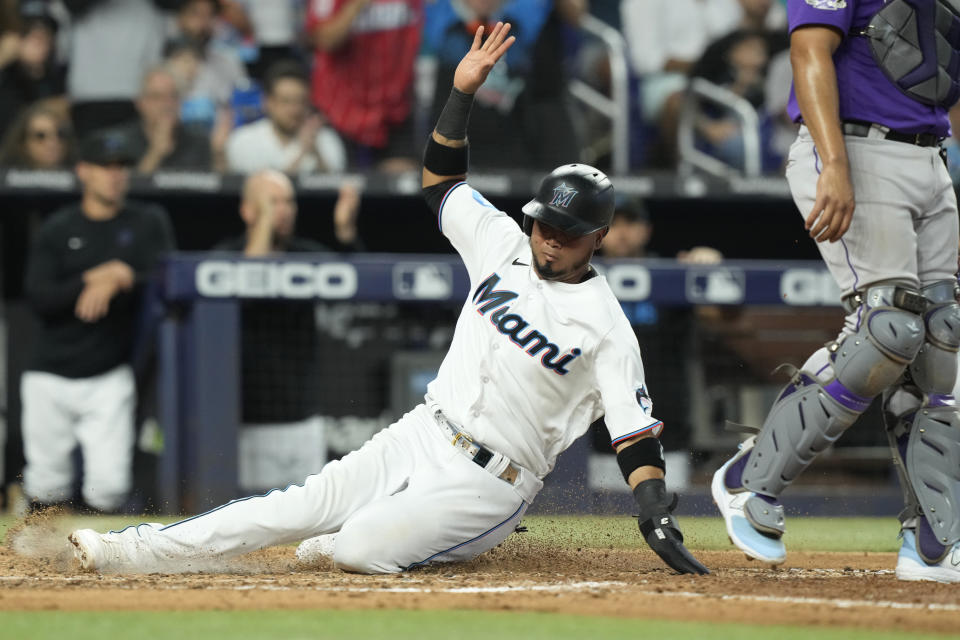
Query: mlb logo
x,y
425,281
716,286
563,195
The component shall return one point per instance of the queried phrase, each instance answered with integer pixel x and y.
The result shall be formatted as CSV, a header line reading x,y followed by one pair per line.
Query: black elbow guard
x,y
646,452
445,161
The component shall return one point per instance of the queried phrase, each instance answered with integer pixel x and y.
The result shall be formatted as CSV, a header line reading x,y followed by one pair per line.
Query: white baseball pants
x,y
407,497
95,413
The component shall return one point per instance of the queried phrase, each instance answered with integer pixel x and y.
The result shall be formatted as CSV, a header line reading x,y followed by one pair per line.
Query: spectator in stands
x,y
664,40
550,109
631,230
268,208
738,62
40,138
112,44
273,25
84,276
28,67
726,16
281,438
363,76
289,138
158,139
220,70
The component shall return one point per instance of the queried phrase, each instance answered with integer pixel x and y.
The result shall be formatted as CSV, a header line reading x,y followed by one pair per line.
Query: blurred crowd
x,y
353,85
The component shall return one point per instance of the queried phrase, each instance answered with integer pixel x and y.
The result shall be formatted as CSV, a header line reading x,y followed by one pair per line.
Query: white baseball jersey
x,y
533,362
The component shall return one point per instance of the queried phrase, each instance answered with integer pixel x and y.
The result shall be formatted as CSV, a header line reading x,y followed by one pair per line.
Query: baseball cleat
x,y
116,551
87,548
912,568
766,547
312,550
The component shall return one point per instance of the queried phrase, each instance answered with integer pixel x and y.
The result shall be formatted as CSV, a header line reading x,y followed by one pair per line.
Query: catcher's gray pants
x,y
904,226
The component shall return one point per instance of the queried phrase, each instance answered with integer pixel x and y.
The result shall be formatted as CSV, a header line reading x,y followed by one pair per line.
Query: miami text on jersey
x,y
495,302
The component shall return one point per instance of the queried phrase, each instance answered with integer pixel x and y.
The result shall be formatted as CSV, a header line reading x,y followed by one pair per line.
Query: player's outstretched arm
x,y
641,461
446,155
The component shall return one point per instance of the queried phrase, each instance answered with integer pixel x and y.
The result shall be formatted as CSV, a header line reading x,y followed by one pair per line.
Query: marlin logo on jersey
x,y
643,398
496,303
563,195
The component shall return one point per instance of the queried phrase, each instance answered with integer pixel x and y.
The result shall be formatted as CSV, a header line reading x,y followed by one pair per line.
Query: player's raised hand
x,y
833,209
474,67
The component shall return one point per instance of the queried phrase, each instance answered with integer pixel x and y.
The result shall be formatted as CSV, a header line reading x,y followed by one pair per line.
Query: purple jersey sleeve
x,y
830,13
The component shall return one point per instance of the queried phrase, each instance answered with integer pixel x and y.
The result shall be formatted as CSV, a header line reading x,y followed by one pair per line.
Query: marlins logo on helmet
x,y
563,195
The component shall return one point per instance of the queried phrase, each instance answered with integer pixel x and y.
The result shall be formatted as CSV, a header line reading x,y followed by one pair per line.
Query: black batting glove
x,y
661,530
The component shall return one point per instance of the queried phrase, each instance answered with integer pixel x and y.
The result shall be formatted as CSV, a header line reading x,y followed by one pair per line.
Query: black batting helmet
x,y
575,198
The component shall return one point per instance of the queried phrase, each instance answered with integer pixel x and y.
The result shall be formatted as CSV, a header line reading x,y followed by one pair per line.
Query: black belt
x,y
862,129
478,453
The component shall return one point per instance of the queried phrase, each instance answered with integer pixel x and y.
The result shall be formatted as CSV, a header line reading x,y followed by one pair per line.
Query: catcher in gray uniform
x,y
872,84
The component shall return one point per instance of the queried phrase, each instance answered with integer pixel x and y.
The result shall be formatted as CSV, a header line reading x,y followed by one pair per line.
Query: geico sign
x,y
628,282
223,279
808,287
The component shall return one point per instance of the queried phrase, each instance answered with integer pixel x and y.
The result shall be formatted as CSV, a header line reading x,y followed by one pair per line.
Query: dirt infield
x,y
834,589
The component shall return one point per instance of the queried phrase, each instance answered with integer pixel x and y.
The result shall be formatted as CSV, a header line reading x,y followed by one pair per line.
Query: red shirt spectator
x,y
363,69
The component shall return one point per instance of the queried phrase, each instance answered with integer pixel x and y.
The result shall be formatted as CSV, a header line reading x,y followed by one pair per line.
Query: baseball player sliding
x,y
541,350
873,80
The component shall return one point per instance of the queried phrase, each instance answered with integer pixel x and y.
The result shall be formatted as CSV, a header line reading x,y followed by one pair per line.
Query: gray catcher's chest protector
x,y
917,45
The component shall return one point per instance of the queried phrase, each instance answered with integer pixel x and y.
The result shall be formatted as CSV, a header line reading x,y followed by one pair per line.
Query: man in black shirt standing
x,y
84,275
282,438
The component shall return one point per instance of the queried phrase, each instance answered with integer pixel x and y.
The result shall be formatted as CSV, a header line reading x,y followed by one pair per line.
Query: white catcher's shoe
x,y
118,551
312,550
752,542
911,567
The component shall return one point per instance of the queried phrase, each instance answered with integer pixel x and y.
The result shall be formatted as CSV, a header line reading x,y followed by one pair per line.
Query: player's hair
x,y
284,70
